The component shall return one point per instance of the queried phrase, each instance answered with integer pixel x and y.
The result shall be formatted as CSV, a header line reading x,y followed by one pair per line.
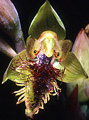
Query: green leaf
x,y
73,69
17,70
47,19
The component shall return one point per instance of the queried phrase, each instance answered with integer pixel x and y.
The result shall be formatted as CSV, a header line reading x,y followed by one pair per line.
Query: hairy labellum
x,y
43,76
39,84
44,83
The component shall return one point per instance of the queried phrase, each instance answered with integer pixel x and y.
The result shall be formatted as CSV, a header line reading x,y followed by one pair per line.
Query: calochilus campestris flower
x,y
45,60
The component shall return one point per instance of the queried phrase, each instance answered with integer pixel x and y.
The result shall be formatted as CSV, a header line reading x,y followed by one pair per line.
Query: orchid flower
x,y
46,59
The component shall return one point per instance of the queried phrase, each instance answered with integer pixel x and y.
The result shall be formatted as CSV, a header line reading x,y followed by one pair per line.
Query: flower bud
x,y
10,23
81,51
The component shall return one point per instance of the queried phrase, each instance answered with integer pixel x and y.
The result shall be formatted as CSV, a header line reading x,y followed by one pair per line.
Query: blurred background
x,y
75,15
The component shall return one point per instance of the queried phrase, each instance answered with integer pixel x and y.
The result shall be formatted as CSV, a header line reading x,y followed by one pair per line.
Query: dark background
x,y
75,15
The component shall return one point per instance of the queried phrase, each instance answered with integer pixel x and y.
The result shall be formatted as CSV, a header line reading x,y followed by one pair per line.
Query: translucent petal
x,y
18,70
73,69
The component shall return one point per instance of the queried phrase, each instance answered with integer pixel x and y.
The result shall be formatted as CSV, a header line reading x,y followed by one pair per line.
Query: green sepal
x,y
47,19
73,69
14,71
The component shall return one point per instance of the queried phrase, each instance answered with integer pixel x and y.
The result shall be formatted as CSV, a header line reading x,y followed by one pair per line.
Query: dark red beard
x,y
44,74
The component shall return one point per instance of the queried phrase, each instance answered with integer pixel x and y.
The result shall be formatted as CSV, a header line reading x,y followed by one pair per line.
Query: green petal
x,y
18,69
73,69
47,19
